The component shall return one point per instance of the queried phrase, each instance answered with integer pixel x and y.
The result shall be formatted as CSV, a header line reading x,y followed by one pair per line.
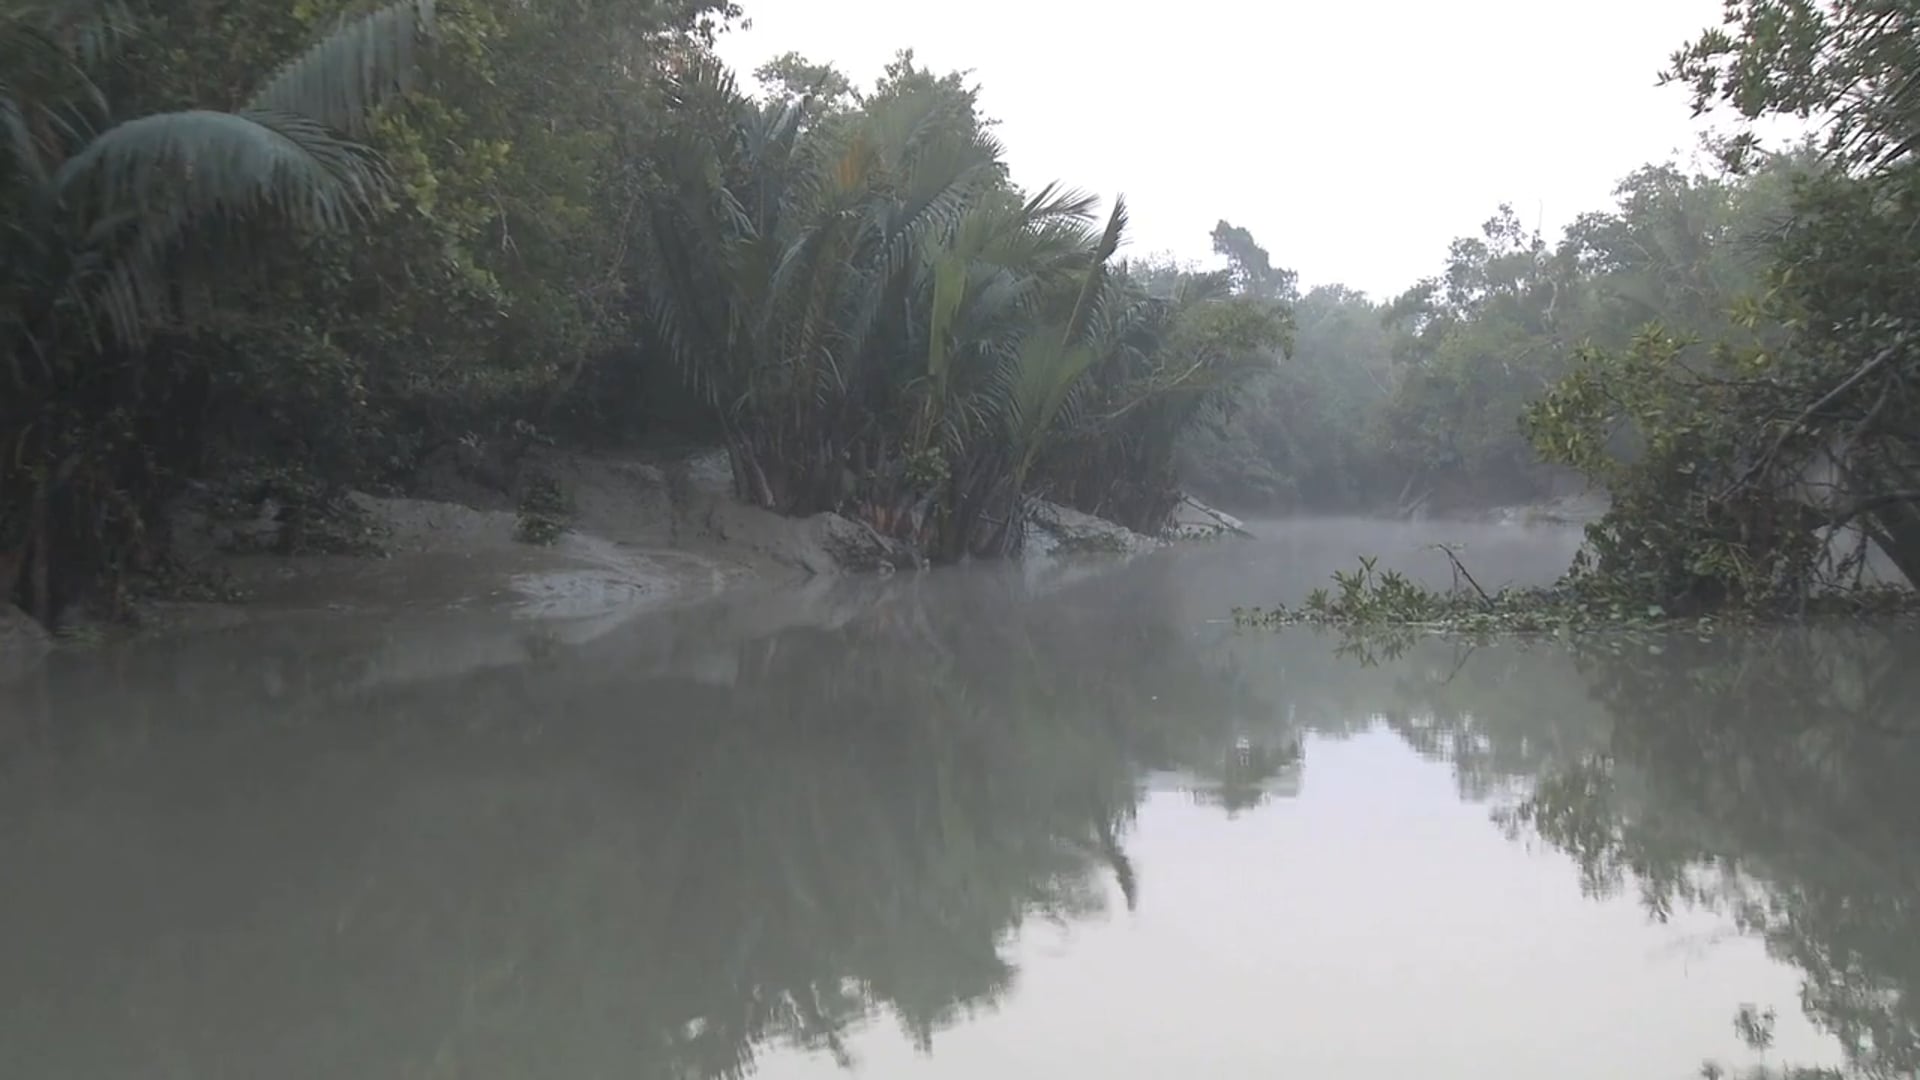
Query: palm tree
x,y
99,214
1162,362
1006,269
884,326
787,275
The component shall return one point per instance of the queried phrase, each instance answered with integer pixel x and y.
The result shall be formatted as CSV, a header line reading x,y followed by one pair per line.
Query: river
x,y
1010,821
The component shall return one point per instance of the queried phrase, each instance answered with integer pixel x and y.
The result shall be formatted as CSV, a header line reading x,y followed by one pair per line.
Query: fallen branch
x,y
1219,518
1460,571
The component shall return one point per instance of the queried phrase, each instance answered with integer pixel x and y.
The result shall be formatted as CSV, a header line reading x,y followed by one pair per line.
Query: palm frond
x,y
771,143
81,33
1058,201
116,279
949,290
1092,290
346,75
1116,230
1050,368
147,184
204,163
942,185
17,145
703,83
93,30
46,50
1202,288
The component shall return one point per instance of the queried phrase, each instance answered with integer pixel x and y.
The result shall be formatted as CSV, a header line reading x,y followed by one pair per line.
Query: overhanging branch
x,y
1809,413
1869,504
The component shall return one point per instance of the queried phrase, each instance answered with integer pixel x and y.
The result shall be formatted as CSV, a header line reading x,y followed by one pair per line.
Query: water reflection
x,y
649,855
1768,777
764,832
1772,778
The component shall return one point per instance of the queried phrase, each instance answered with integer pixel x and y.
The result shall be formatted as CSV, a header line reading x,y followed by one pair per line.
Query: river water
x,y
1018,821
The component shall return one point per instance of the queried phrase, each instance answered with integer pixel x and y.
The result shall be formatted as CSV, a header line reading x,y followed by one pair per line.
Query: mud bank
x,y
624,536
633,534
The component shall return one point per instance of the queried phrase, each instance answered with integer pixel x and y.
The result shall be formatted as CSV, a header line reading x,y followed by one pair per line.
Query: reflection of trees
x,y
1247,774
1772,777
658,852
1494,712
580,865
1768,776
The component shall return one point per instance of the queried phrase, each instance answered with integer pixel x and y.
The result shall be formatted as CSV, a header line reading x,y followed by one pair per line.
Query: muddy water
x,y
1032,821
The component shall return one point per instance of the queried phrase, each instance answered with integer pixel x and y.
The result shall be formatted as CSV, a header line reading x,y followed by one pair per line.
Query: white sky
x,y
1355,140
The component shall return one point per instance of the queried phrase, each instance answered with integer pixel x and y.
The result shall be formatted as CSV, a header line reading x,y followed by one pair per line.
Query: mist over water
x,y
1052,819
1296,555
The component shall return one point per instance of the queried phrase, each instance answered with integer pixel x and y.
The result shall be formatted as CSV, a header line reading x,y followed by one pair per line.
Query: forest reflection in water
x,y
745,831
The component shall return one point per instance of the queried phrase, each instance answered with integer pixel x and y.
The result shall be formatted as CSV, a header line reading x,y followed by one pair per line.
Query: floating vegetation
x,y
1374,603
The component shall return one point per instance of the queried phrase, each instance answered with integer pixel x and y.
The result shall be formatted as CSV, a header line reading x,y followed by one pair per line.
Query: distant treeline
x,y
1417,401
1731,353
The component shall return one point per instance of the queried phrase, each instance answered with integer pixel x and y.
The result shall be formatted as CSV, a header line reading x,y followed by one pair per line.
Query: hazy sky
x,y
1355,140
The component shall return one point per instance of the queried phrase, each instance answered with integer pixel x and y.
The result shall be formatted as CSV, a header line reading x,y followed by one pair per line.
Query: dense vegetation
x,y
553,222
293,248
1507,377
1750,451
1415,403
1729,354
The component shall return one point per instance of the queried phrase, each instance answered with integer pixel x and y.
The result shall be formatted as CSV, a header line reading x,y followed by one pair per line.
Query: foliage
x,y
1763,472
582,229
881,324
1180,358
1372,603
544,510
1304,430
1251,267
1416,402
1729,354
1851,64
1747,460
107,219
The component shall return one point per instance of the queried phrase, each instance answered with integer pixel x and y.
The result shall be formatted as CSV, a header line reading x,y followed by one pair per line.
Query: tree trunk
x,y
40,556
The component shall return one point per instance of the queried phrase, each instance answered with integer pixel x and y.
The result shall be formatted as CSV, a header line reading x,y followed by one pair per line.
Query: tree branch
x,y
1808,413
1868,505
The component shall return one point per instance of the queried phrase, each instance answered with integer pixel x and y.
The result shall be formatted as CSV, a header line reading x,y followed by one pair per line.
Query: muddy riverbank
x,y
633,535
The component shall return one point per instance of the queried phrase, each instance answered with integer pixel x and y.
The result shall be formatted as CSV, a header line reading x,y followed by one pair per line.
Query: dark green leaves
x,y
343,78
